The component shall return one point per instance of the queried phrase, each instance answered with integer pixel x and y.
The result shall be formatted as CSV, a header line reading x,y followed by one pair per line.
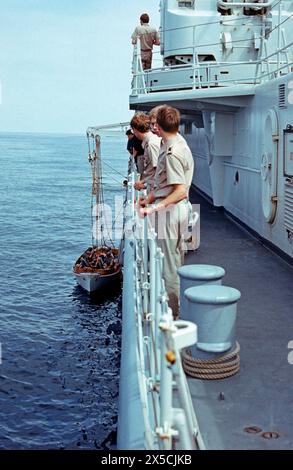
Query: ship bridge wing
x,y
229,99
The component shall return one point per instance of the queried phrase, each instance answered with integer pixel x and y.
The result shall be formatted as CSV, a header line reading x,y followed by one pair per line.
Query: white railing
x,y
169,418
252,5
203,76
207,74
138,82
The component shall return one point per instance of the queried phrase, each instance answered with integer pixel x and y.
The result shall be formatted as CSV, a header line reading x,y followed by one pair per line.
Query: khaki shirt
x,y
175,166
147,35
151,145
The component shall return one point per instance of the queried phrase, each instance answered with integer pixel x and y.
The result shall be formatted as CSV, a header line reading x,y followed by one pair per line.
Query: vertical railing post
x,y
194,60
166,417
279,37
145,260
133,194
139,68
285,50
135,69
260,55
141,72
139,85
154,347
151,309
152,270
265,60
159,270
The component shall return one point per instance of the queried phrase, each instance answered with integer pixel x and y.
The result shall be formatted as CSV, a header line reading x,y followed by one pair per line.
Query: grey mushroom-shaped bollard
x,y
192,275
213,309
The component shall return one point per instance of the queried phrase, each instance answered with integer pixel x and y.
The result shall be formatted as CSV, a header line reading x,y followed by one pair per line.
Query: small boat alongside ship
x,y
99,265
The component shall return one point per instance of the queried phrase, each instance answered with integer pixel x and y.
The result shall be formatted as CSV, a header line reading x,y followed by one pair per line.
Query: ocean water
x,y
60,348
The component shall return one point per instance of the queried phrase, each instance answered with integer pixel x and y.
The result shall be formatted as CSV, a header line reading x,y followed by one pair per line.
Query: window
x,y
186,4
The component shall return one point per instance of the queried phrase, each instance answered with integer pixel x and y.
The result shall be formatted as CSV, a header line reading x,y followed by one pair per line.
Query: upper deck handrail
x,y
222,19
252,5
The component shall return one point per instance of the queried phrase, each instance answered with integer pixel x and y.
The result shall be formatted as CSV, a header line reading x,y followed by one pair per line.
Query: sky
x,y
66,64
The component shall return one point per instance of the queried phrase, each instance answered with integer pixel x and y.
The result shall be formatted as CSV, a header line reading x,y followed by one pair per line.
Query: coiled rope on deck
x,y
220,367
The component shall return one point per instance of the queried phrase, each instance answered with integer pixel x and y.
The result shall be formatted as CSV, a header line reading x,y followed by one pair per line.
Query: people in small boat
x,y
168,202
97,258
149,37
140,124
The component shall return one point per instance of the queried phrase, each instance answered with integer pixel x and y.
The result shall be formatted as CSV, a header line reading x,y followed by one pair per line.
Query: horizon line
x,y
56,132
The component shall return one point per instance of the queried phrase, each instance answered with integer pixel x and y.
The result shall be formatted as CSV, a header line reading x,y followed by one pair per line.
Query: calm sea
x,y
60,349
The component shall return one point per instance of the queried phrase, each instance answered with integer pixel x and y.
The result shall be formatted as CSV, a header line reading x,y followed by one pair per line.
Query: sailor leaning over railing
x,y
146,163
169,213
134,146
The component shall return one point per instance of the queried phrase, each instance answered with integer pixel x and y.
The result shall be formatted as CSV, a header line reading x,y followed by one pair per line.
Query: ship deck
x,y
261,394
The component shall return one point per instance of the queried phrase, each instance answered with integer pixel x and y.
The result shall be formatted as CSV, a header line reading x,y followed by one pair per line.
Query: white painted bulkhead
x,y
240,161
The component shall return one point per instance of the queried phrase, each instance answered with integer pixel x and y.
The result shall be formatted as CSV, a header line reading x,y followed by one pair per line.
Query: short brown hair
x,y
168,118
144,18
154,111
140,122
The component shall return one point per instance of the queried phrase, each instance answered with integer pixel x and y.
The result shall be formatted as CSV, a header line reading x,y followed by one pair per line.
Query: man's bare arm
x,y
178,194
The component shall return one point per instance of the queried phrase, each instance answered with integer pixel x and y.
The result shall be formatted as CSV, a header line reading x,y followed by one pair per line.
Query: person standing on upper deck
x,y
171,192
140,124
148,38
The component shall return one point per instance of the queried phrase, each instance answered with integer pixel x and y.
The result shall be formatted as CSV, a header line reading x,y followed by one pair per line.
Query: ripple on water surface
x,y
60,348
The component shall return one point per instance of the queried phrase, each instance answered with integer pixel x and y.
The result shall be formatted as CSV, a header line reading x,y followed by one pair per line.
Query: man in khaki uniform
x,y
140,124
172,182
153,119
148,37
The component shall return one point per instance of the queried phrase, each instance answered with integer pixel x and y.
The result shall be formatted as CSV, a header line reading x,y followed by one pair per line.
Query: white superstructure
x,y
227,66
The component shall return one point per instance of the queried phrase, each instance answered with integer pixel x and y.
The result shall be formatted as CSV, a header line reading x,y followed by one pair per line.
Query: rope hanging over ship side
x,y
100,230
102,258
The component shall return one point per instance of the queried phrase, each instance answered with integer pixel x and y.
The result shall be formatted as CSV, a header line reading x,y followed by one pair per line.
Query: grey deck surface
x,y
261,394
